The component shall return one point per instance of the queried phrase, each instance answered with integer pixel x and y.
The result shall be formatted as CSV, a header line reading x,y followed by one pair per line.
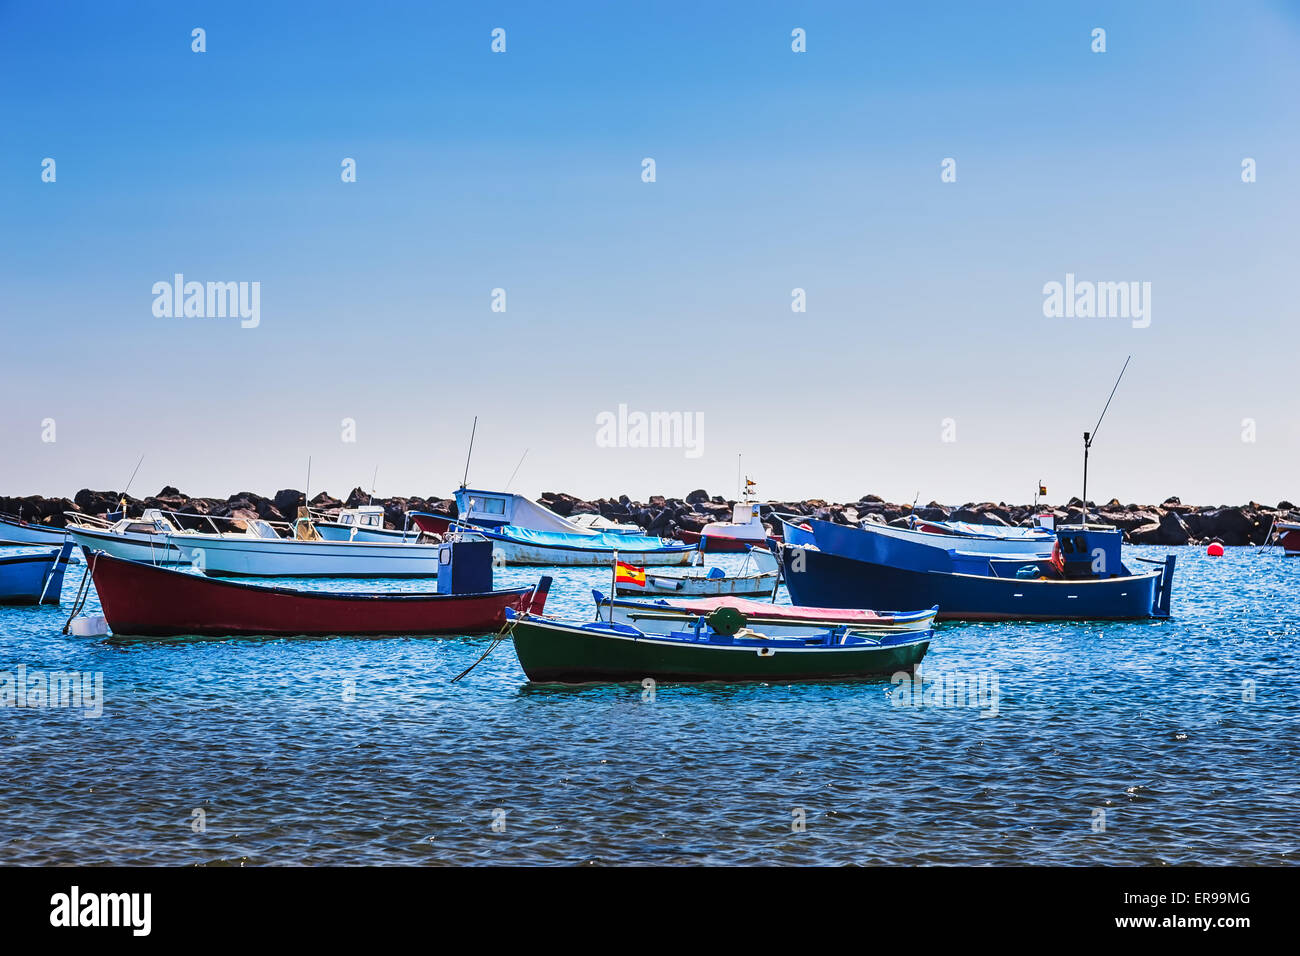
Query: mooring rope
x,y
506,630
83,591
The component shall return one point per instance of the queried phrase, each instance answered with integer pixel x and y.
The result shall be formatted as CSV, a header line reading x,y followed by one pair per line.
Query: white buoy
x,y
89,625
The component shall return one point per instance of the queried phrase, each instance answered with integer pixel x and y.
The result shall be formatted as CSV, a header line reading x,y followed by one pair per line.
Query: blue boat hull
x,y
33,578
828,580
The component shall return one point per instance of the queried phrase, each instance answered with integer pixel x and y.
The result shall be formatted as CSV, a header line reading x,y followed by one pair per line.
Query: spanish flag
x,y
1042,489
629,574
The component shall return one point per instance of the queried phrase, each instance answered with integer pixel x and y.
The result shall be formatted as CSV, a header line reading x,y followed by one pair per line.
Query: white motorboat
x,y
258,550
363,523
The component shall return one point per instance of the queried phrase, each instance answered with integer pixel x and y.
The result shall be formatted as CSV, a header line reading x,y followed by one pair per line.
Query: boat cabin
x,y
363,516
152,521
745,512
492,510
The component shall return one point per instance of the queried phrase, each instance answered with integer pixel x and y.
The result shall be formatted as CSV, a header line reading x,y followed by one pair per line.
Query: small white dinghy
x,y
757,576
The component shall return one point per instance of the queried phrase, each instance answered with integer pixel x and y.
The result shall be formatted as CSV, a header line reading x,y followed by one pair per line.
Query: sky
x,y
922,365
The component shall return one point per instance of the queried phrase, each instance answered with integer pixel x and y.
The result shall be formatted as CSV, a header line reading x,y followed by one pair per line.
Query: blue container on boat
x,y
465,567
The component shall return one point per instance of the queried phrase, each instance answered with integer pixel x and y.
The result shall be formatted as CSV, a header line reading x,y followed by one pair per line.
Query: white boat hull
x,y
149,548
341,532
235,556
697,585
510,552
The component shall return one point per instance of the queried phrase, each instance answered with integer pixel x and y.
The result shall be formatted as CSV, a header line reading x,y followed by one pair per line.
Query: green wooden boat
x,y
716,648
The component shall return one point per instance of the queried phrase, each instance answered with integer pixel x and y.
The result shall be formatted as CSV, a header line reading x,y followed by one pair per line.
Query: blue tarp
x,y
629,544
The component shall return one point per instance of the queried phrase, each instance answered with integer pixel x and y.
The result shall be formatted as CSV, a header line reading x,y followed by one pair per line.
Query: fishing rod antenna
x,y
1090,437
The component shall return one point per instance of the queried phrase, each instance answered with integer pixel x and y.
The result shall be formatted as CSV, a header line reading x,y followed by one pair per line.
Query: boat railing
x,y
82,520
98,522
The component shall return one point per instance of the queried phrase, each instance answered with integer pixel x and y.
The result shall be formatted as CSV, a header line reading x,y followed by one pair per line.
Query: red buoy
x,y
1215,550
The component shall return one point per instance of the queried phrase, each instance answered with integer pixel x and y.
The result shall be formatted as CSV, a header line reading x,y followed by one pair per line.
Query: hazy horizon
x,y
923,364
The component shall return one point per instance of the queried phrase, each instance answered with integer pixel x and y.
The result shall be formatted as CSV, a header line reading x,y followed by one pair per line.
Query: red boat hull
x,y
141,599
1290,542
431,523
717,544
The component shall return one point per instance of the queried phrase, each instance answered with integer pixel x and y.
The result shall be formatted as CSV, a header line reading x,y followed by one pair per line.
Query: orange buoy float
x,y
1215,550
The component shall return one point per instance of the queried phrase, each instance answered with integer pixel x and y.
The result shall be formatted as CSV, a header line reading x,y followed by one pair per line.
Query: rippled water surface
x,y
1151,723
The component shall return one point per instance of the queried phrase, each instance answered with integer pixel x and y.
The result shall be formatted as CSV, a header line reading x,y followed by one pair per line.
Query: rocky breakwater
x,y
1169,523
203,514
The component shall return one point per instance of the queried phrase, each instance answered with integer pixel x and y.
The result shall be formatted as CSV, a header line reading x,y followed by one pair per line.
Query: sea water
x,y
1162,742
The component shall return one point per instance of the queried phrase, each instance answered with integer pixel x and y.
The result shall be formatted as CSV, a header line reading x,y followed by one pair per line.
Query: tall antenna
x,y
132,478
128,485
306,494
373,482
1089,437
516,471
464,481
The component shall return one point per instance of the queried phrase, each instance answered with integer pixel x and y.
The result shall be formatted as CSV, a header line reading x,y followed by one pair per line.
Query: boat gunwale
x,y
760,643
278,589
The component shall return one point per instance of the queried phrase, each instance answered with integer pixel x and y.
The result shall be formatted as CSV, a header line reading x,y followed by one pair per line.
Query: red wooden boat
x,y
1288,535
143,599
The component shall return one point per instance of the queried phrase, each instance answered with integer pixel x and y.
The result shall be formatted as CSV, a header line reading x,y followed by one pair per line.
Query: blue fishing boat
x,y
839,566
34,577
14,530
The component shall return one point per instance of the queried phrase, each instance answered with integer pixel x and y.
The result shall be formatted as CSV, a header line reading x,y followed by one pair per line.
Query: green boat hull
x,y
554,653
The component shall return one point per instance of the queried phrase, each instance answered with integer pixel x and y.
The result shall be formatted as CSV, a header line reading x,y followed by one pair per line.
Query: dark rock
x,y
287,501
695,497
1230,525
1128,521
1170,530
692,521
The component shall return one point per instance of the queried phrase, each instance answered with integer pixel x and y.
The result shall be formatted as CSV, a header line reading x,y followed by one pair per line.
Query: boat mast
x,y
464,481
1088,438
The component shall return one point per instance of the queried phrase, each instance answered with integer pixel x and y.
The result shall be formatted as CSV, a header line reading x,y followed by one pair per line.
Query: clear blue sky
x,y
775,170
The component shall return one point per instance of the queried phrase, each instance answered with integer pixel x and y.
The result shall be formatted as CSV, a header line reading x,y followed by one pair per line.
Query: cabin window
x,y
371,520
1067,545
345,519
493,506
1081,545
